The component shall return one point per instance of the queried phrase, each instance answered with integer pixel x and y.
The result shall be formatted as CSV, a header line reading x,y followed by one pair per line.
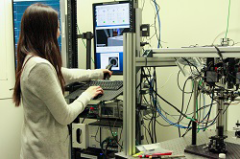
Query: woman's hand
x,y
94,91
107,71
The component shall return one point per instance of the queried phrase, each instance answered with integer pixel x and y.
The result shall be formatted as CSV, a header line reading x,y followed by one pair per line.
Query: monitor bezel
x,y
94,5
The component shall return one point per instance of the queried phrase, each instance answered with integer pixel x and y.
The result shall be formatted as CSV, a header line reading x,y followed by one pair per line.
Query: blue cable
x,y
159,23
181,126
166,119
174,124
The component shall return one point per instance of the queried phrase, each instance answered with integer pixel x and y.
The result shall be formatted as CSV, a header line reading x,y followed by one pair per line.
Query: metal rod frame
x,y
129,95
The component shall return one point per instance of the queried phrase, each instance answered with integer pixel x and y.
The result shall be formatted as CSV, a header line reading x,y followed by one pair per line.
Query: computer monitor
x,y
110,21
19,6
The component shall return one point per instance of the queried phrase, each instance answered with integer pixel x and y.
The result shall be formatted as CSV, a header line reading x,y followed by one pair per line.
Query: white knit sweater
x,y
46,113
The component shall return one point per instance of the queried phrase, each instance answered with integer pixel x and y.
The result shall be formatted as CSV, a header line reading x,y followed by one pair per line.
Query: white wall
x,y
10,117
184,23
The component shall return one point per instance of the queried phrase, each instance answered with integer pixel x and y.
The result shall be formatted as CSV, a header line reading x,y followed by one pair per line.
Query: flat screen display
x,y
110,21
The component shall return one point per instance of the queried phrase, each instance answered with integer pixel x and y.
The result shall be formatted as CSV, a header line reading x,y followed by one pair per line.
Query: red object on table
x,y
156,155
162,154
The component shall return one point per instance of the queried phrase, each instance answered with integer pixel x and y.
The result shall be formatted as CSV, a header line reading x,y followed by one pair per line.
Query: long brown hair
x,y
38,36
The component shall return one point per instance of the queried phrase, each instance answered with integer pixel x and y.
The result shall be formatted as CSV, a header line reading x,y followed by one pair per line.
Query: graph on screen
x,y
19,6
110,15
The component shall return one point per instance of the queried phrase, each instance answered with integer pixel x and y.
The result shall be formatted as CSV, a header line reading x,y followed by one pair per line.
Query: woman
x,y
40,83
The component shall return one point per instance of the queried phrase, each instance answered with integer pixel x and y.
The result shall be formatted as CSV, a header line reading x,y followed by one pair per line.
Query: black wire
x,y
226,108
155,104
83,120
106,148
182,107
170,104
189,124
149,133
97,133
160,115
139,111
165,99
151,122
146,133
143,97
191,64
203,107
149,127
101,145
160,108
154,117
120,135
177,115
205,126
192,112
219,52
110,128
223,88
189,103
121,127
138,127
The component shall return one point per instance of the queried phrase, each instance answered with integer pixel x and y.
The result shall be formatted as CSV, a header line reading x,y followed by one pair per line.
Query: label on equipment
x,y
88,156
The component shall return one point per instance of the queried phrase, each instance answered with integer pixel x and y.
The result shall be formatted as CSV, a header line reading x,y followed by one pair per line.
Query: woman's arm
x,y
44,83
79,75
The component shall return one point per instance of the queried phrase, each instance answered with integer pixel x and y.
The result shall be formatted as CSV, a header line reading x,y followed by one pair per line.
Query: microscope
x,y
222,76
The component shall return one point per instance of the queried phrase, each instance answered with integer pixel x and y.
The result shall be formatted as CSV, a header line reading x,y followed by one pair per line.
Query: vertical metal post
x,y
125,93
88,37
220,120
138,23
194,124
88,57
63,32
225,115
72,49
220,104
131,49
138,17
129,95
